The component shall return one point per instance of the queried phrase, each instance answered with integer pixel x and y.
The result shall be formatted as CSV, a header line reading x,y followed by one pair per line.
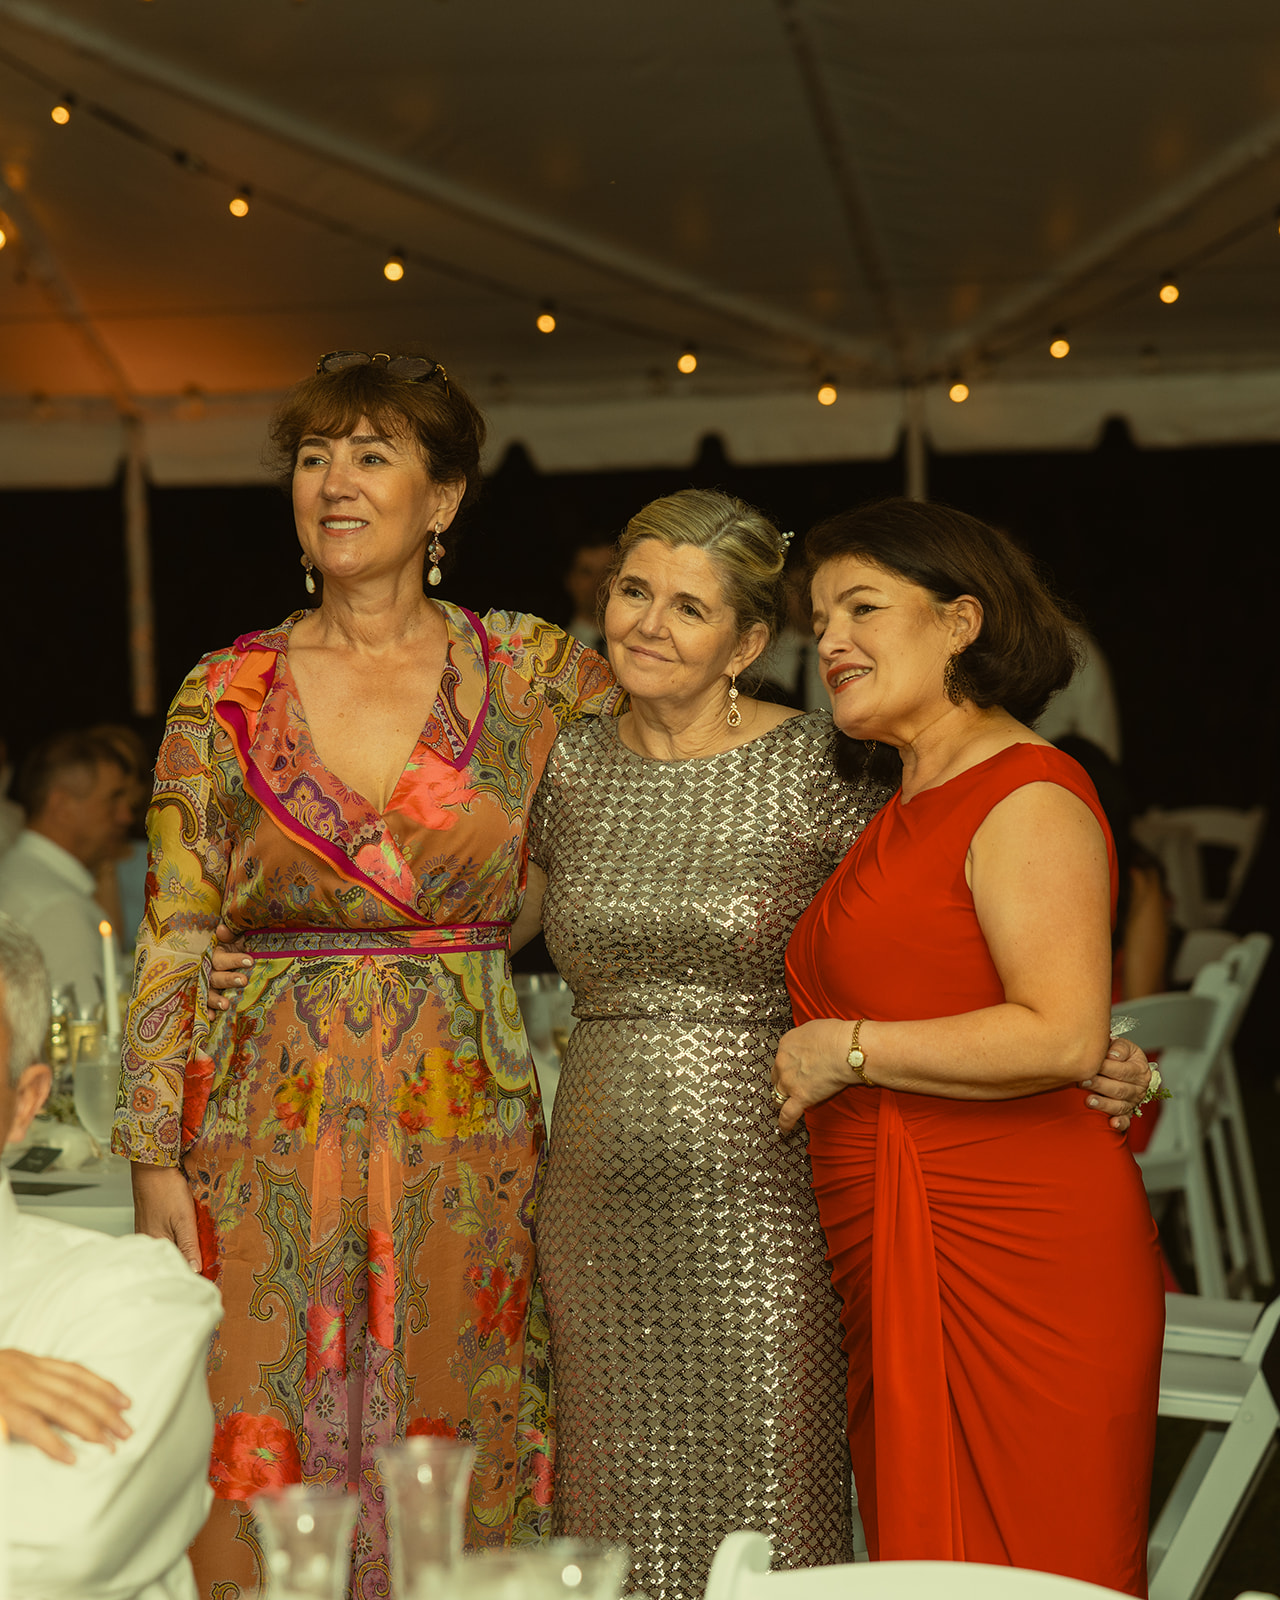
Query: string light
x,y
959,392
1059,347
827,392
546,318
4,238
393,271
61,114
239,205
1168,289
688,361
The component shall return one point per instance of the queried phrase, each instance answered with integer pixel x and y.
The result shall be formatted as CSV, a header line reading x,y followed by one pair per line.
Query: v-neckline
x,y
450,731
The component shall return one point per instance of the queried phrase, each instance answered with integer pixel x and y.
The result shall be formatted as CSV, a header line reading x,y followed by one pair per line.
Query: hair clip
x,y
786,539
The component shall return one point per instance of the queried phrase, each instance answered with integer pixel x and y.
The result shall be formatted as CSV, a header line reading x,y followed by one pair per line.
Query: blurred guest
x,y
587,570
1087,706
91,1328
11,817
1141,938
122,881
788,669
75,789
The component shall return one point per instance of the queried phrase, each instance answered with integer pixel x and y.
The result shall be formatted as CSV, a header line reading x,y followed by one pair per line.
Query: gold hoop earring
x,y
735,716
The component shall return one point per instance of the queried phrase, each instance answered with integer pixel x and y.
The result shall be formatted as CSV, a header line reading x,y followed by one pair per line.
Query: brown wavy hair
x,y
437,416
1026,649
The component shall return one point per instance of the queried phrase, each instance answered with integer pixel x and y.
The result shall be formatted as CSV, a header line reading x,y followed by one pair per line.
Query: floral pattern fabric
x,y
362,1131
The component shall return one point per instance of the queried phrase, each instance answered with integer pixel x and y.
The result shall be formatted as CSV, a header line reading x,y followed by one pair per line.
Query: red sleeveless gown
x,y
1003,1307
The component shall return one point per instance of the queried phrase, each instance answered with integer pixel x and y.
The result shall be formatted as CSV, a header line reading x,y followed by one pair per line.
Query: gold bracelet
x,y
856,1059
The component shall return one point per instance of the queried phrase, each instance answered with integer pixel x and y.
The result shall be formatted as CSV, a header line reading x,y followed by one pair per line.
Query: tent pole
x,y
915,453
137,548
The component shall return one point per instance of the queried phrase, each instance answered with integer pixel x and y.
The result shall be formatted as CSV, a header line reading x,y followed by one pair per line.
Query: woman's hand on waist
x,y
812,1064
229,961
163,1208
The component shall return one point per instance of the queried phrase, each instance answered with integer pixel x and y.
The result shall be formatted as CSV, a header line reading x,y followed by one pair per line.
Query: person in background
x,y
75,788
103,1339
122,882
788,669
1087,707
587,570
1141,938
11,813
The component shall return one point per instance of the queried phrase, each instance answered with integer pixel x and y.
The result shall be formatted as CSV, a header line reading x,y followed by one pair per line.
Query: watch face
x,y
856,1059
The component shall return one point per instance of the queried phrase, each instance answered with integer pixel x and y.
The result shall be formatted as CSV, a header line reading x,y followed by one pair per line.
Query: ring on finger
x,y
779,1096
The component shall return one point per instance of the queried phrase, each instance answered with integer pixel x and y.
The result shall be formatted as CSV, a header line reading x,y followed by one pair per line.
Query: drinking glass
x,y
95,1079
424,1487
306,1537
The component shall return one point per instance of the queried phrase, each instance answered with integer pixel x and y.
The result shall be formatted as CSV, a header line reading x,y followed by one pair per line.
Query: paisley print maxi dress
x,y
361,1132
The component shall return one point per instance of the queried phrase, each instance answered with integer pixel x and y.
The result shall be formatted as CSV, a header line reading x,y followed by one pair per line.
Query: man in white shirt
x,y
77,795
86,1321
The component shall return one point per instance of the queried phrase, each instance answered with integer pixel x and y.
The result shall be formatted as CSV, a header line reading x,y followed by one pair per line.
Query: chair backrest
x,y
1235,976
1189,1031
1179,838
740,1572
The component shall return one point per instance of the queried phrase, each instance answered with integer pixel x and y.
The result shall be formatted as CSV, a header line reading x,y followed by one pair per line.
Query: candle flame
x,y
104,928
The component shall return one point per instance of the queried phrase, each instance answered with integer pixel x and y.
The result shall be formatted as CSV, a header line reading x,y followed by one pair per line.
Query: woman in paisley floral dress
x,y
350,1154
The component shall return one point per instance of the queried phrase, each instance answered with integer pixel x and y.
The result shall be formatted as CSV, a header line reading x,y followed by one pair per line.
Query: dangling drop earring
x,y
436,552
308,580
735,716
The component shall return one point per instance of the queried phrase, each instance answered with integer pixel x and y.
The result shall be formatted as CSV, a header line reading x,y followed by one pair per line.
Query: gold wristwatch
x,y
856,1059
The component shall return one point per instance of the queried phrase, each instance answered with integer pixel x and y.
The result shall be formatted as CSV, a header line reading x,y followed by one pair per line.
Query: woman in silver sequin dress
x,y
695,1334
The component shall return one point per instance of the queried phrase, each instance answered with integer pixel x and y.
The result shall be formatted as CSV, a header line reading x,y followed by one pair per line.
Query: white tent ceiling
x,y
894,192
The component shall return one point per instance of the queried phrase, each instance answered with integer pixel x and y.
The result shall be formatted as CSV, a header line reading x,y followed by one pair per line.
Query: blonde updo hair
x,y
745,548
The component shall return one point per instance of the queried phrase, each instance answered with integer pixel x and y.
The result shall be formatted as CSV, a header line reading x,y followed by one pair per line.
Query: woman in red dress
x,y
950,987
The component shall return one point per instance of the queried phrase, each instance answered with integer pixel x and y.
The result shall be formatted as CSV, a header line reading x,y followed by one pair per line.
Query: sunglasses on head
x,y
411,369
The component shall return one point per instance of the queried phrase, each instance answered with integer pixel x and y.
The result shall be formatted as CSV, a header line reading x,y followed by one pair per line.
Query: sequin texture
x,y
695,1334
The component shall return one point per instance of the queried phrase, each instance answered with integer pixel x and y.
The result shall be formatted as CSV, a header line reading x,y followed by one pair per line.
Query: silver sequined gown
x,y
695,1334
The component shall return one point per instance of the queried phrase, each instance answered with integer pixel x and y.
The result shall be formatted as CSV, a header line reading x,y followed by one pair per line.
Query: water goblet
x,y
425,1481
306,1537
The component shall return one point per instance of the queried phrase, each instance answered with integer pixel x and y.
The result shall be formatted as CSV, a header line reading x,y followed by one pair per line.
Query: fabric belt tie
x,y
451,938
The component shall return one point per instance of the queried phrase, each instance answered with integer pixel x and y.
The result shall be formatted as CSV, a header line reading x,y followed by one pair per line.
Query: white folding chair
x,y
1189,1031
1237,971
740,1571
1232,1397
1178,839
1196,1326
1200,946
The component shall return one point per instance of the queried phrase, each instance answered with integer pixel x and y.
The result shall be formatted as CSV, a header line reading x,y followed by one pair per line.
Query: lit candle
x,y
110,981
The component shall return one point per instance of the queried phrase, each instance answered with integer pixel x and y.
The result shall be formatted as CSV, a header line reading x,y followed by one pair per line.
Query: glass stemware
x,y
306,1537
425,1481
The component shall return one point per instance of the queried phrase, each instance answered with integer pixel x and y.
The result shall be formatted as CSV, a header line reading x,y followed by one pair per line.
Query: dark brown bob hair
x,y
437,415
1026,650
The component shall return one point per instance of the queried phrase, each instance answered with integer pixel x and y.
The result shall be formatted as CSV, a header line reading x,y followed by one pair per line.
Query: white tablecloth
x,y
86,1199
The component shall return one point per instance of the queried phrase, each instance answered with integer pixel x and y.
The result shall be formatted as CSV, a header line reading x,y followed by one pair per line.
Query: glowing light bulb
x,y
546,320
959,392
61,115
827,394
688,362
1059,348
1168,291
394,270
239,207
